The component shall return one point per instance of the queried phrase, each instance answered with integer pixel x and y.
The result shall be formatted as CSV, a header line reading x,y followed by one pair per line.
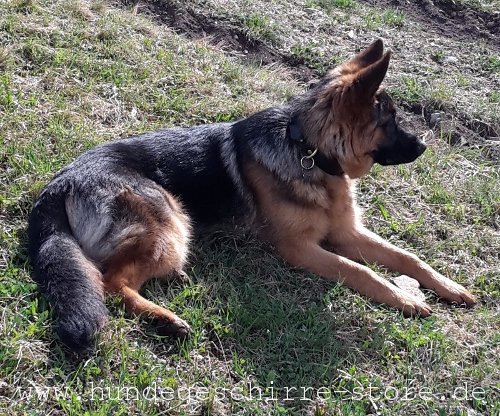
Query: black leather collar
x,y
311,157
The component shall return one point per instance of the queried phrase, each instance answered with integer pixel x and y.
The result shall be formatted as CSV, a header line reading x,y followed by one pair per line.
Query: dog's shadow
x,y
287,328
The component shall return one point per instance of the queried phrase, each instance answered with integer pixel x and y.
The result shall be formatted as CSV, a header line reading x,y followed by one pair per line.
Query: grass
x,y
492,63
260,27
485,5
390,18
313,58
267,340
329,5
331,31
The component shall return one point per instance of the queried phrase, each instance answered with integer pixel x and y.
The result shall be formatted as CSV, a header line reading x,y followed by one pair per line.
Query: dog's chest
x,y
341,197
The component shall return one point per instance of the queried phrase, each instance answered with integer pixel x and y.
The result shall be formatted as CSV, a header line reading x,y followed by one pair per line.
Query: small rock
x,y
450,60
351,34
133,113
435,119
409,285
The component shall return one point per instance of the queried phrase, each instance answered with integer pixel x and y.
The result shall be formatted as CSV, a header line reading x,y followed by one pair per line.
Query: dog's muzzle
x,y
405,149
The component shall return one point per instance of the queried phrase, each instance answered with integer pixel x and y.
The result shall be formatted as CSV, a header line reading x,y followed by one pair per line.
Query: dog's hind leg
x,y
166,321
156,247
363,245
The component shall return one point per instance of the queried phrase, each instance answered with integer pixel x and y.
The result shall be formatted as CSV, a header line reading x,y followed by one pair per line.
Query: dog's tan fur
x,y
159,249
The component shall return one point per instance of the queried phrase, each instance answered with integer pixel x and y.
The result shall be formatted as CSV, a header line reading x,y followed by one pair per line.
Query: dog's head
x,y
348,116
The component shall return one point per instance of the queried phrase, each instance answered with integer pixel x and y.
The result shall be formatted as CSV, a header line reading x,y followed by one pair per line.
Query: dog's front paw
x,y
176,328
413,306
454,292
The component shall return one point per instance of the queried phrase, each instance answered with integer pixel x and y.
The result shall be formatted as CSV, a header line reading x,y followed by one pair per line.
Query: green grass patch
x,y
329,5
312,56
260,26
409,90
491,63
389,18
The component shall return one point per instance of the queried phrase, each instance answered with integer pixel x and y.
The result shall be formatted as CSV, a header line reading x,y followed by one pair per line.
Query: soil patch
x,y
223,32
452,19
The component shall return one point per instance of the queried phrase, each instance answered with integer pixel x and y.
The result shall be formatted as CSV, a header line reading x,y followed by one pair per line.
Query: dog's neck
x,y
310,156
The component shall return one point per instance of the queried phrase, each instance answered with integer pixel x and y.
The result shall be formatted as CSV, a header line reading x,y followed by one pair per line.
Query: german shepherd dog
x,y
122,212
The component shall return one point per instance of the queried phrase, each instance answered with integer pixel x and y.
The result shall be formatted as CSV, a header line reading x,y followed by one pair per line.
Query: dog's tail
x,y
71,281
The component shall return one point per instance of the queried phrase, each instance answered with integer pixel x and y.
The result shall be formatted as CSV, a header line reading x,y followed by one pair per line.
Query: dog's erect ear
x,y
369,56
368,80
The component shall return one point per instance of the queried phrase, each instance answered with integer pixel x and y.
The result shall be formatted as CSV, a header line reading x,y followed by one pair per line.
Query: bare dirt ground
x,y
223,32
450,18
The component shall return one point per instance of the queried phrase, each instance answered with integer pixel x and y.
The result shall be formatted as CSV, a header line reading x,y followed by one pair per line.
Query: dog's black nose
x,y
421,146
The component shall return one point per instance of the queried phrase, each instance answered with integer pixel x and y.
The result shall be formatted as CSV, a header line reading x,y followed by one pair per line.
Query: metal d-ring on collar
x,y
314,157
307,162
